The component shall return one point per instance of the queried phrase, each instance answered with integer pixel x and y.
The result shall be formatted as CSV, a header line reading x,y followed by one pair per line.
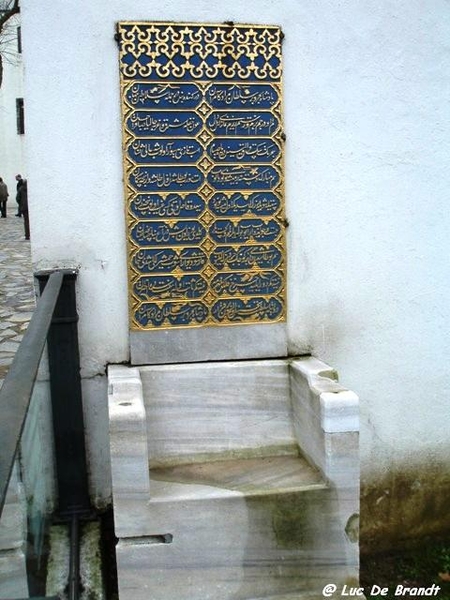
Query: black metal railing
x,y
54,322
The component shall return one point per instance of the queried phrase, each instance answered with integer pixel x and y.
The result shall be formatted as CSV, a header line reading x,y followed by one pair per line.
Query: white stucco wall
x,y
11,143
368,140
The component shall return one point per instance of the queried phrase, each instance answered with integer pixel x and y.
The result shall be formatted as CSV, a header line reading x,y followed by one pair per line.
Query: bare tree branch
x,y
7,10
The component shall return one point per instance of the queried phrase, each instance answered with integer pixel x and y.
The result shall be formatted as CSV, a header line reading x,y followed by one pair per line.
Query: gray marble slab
x,y
208,343
230,408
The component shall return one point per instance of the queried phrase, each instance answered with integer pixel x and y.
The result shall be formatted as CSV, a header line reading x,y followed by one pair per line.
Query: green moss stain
x,y
290,521
91,562
403,505
58,562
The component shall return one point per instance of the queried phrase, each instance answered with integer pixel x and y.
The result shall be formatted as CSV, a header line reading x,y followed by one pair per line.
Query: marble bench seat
x,y
232,480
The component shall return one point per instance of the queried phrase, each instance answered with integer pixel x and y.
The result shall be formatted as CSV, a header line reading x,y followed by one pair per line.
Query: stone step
x,y
248,476
234,529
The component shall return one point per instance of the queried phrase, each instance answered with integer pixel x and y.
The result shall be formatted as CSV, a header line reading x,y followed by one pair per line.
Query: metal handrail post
x,y
67,404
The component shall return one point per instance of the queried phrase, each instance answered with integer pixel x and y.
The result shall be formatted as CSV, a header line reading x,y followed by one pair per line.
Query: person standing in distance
x,y
23,207
19,185
3,198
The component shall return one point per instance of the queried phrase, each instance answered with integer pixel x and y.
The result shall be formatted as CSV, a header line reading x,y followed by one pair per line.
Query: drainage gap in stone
x,y
108,548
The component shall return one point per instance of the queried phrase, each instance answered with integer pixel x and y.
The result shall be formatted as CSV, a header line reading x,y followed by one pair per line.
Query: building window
x,y
20,116
19,40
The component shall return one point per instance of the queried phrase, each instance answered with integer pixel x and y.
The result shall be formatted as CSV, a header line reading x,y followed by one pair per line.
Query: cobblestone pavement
x,y
17,297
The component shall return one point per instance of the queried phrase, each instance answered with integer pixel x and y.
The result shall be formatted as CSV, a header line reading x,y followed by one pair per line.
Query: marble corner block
x,y
222,496
326,420
128,439
13,575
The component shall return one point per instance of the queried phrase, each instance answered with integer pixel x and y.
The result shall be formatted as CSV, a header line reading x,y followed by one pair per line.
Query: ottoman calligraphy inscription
x,y
202,152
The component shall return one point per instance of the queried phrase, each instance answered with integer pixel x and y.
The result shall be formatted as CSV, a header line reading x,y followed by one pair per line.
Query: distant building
x,y
12,113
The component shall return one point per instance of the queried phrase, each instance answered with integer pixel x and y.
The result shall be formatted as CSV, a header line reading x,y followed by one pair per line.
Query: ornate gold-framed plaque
x,y
203,173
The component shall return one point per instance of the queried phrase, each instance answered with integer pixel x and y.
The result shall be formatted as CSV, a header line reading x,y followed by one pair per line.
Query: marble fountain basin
x,y
234,480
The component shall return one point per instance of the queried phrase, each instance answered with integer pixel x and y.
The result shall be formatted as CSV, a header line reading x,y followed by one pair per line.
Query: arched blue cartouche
x,y
163,124
149,206
243,150
164,95
247,230
241,95
160,287
246,284
166,179
171,313
237,204
245,257
237,310
249,123
160,233
164,151
230,177
166,260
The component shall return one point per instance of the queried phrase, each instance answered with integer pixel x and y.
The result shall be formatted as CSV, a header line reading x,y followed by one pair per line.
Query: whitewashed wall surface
x,y
366,119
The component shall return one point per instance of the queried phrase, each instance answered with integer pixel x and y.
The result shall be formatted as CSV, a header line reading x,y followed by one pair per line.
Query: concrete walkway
x,y
17,296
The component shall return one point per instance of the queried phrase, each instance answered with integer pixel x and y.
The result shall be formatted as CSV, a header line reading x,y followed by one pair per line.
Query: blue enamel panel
x,y
151,206
237,95
246,257
166,260
170,179
160,287
163,95
242,123
238,204
202,149
160,151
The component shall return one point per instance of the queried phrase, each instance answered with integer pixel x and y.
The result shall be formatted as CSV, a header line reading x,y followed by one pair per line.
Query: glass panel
x,y
30,501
